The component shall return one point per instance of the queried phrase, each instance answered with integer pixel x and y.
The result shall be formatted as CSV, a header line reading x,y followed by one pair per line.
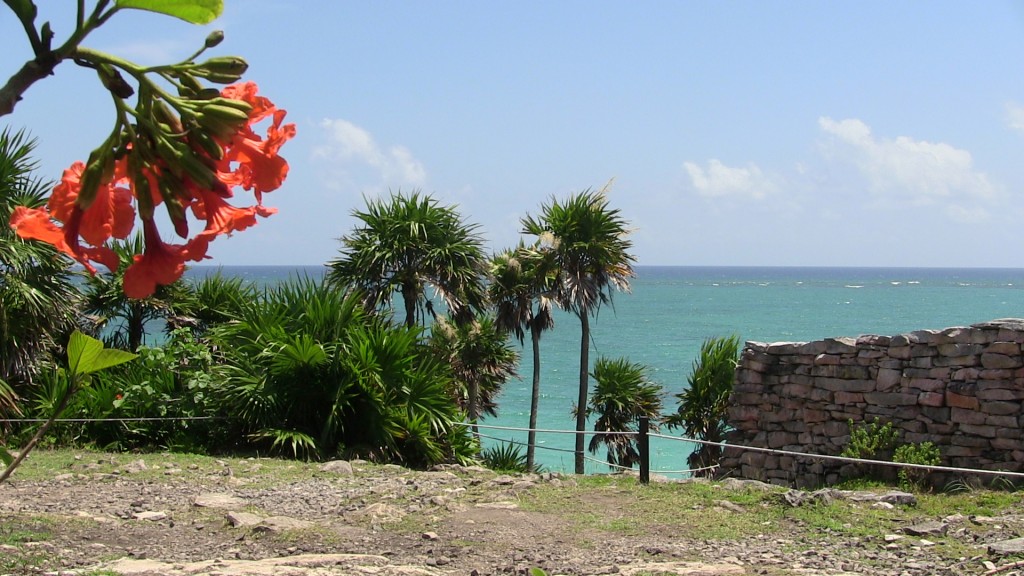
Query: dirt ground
x,y
144,515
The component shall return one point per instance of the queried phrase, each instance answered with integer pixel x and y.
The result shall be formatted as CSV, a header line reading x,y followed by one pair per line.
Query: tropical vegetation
x,y
589,244
703,406
623,397
307,368
38,297
318,369
521,288
405,244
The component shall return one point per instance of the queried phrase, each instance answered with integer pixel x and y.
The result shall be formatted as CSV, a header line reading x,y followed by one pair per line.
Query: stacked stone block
x,y
959,388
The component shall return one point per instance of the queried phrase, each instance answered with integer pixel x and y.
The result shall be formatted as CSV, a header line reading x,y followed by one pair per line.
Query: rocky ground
x,y
145,515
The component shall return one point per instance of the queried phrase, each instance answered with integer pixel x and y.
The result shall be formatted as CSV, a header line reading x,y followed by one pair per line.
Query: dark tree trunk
x,y
581,403
136,326
409,296
531,442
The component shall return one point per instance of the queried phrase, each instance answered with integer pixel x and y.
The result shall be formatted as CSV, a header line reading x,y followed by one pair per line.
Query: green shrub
x,y
505,457
925,454
868,439
704,405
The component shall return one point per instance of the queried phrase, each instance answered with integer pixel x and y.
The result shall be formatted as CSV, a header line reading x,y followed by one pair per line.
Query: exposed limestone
x,y
218,500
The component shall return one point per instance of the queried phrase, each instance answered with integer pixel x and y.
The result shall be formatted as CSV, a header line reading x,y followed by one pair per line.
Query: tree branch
x,y
33,71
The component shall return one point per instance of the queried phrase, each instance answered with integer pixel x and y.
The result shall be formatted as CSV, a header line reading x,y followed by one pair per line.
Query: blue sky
x,y
736,133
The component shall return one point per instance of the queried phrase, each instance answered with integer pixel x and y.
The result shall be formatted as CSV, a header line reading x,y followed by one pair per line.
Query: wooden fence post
x,y
645,451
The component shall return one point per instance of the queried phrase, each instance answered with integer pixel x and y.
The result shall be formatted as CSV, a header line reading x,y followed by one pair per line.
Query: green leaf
x,y
192,11
5,457
87,355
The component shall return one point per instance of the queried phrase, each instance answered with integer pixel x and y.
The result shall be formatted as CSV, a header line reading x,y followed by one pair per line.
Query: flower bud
x,y
114,82
226,113
190,87
227,65
215,38
232,103
98,171
207,94
163,114
203,142
215,126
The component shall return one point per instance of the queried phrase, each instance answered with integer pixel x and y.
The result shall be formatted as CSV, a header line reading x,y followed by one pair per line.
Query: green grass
x,y
621,505
26,559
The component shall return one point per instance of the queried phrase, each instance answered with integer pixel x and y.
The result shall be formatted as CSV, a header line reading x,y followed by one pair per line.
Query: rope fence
x,y
125,419
645,453
642,437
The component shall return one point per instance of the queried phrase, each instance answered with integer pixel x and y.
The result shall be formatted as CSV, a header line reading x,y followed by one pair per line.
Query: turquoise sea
x,y
671,310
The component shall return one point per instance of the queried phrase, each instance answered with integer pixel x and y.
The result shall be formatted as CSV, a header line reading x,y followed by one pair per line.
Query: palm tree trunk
x,y
473,408
581,403
409,295
136,326
531,442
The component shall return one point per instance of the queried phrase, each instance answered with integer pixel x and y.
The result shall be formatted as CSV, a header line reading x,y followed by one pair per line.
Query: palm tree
x,y
125,319
591,253
212,300
622,395
522,281
481,361
38,299
703,406
406,243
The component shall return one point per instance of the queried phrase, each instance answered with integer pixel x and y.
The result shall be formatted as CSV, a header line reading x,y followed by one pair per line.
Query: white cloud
x,y
916,170
355,148
1015,116
967,215
719,180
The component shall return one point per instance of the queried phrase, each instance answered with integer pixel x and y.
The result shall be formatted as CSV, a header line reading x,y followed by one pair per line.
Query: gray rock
x,y
282,523
218,500
152,516
339,467
1007,547
926,528
243,519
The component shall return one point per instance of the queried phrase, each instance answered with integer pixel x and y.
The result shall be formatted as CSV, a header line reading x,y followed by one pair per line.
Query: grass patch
x,y
25,558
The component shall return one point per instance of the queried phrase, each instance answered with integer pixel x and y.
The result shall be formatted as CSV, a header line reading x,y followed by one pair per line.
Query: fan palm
x,y
212,300
125,320
481,362
38,298
622,395
405,243
591,253
522,283
703,406
306,369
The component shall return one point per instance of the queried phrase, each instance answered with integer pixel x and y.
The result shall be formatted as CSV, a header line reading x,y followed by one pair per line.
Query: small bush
x,y
505,457
925,454
867,440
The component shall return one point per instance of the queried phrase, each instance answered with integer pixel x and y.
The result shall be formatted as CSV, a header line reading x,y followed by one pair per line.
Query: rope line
x,y
847,458
721,445
126,419
518,443
547,431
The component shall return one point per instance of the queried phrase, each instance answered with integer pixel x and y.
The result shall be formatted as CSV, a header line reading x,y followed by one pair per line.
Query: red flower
x,y
35,224
109,215
160,264
249,161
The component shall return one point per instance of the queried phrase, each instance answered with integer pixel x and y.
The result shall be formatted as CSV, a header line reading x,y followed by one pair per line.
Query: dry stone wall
x,y
959,388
